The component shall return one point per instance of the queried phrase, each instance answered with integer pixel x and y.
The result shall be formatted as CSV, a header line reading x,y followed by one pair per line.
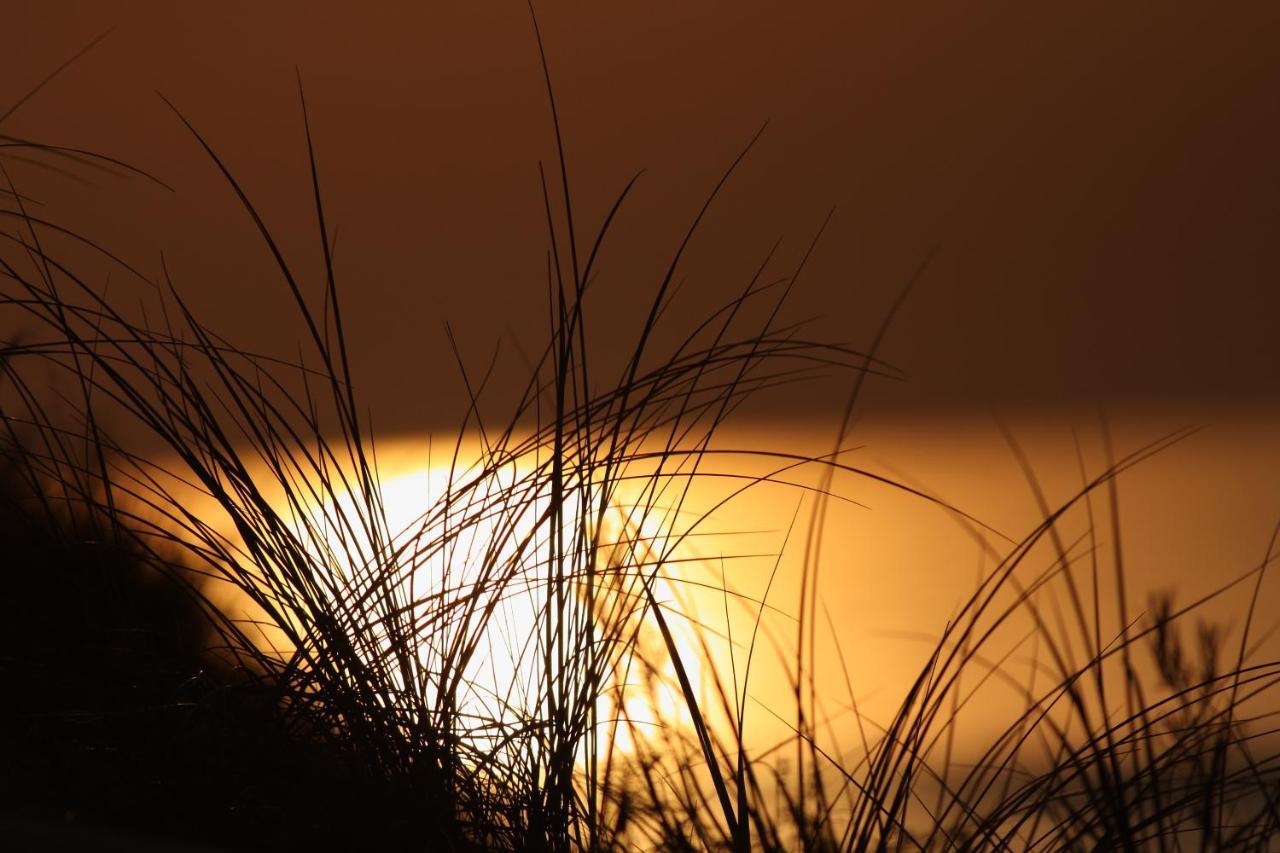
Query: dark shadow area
x,y
120,723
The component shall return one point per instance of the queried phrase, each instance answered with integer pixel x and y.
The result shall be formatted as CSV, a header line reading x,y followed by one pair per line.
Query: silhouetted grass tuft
x,y
467,682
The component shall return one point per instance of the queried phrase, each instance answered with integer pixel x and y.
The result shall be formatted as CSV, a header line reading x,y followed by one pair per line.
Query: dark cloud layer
x,y
1099,179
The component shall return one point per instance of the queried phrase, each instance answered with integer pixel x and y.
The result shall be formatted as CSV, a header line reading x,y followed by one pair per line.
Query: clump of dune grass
x,y
377,644
360,648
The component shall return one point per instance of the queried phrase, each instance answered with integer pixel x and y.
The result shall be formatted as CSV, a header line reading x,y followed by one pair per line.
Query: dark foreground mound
x,y
119,724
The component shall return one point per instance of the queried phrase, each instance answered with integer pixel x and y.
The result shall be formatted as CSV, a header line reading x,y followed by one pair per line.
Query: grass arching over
x,y
374,638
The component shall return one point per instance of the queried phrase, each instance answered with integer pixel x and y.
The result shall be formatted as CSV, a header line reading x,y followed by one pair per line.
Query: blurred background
x,y
1095,185
1099,183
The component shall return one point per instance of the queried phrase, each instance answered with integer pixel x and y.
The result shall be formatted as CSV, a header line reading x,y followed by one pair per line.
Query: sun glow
x,y
500,583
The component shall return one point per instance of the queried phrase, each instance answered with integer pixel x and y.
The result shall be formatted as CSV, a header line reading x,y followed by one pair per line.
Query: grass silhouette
x,y
353,708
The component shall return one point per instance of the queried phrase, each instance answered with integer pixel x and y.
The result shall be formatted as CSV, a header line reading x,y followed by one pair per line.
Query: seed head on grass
x,y
477,673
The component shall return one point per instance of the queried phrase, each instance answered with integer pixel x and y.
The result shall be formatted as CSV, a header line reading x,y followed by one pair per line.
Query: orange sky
x,y
1100,180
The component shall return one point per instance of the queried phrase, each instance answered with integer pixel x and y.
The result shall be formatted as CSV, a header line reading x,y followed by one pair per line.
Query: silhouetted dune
x,y
116,715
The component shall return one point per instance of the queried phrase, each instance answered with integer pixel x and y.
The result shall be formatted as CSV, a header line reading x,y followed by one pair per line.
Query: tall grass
x,y
554,551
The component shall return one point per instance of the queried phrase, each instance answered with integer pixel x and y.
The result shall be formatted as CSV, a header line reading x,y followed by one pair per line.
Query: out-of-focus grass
x,y
356,711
